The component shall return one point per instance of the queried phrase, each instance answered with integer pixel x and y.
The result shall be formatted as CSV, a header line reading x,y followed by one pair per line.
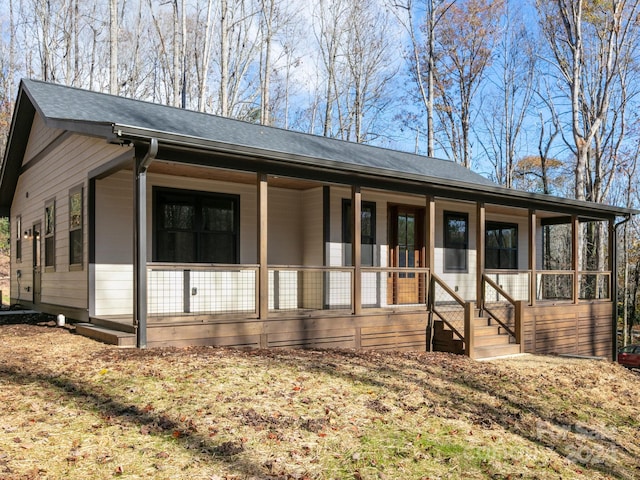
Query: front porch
x,y
418,277
314,308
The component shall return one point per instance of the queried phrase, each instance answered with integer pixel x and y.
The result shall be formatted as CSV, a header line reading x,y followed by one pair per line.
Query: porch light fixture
x,y
27,234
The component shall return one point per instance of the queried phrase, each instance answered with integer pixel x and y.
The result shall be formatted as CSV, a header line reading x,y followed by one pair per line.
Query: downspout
x,y
614,288
140,243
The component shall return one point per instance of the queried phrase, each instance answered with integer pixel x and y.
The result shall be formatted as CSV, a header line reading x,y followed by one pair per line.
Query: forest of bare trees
x,y
539,95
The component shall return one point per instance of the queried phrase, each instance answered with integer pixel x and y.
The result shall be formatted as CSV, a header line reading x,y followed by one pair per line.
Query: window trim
x,y
501,226
346,227
50,263
447,242
18,239
198,195
77,266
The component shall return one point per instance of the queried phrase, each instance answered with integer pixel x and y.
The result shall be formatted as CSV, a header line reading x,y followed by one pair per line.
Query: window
x,y
196,227
367,231
501,247
50,234
75,227
18,238
456,241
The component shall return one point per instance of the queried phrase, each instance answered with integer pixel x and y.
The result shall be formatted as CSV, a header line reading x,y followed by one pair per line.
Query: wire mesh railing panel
x,y
165,292
390,287
447,308
554,286
300,288
595,285
514,284
201,290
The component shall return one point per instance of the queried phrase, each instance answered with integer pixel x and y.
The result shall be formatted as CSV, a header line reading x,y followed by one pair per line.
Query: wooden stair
x,y
490,339
108,334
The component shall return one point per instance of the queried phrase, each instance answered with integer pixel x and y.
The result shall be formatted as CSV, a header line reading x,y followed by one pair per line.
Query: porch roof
x,y
223,142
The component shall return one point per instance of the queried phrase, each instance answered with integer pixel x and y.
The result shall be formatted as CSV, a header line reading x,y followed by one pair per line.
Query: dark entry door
x,y
406,251
37,266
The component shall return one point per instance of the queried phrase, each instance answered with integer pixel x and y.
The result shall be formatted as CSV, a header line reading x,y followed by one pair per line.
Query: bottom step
x,y
106,335
496,350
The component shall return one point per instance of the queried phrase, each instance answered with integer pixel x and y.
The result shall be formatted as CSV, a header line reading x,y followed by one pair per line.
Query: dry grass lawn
x,y
73,408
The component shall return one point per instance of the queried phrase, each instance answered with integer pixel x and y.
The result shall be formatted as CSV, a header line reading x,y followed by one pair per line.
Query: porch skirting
x,y
384,330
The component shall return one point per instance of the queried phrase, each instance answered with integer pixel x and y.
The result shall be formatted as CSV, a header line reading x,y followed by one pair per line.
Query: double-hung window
x,y
50,234
196,227
75,228
19,238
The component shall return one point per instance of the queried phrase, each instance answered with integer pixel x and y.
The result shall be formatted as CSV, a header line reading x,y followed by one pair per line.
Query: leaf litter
x,y
74,408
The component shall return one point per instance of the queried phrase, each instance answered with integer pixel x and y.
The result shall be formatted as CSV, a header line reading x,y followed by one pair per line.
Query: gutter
x,y
614,288
491,193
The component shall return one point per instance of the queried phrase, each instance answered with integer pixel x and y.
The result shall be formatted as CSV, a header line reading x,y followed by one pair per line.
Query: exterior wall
x,y
52,178
113,274
517,285
312,227
583,329
463,283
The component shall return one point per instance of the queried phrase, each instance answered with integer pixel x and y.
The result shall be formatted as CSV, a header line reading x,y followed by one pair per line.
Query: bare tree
x,y
588,42
512,86
113,47
367,52
422,53
464,44
330,29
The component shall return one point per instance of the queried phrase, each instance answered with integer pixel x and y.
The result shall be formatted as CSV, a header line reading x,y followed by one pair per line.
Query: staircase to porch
x,y
490,339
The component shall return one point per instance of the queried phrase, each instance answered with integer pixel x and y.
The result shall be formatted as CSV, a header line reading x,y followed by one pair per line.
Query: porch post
x,y
263,271
430,234
533,279
429,242
140,243
613,287
480,240
575,257
430,245
356,247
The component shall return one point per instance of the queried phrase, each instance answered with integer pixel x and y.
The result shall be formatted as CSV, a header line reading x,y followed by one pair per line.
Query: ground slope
x,y
77,409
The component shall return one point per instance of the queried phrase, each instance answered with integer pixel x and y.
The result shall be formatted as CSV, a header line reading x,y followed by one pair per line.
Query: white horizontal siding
x,y
51,178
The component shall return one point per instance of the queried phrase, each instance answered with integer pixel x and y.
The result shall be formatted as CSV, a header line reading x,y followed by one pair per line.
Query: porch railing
x,y
205,289
505,311
595,285
310,288
550,285
559,285
452,310
516,285
383,287
198,289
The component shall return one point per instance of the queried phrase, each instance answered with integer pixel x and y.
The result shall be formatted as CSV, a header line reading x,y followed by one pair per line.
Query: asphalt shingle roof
x,y
109,116
57,102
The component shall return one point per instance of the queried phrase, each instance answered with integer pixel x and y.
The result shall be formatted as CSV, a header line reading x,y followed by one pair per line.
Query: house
x,y
157,226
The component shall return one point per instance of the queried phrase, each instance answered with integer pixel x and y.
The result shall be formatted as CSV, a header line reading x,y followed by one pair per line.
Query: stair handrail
x,y
432,304
506,296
